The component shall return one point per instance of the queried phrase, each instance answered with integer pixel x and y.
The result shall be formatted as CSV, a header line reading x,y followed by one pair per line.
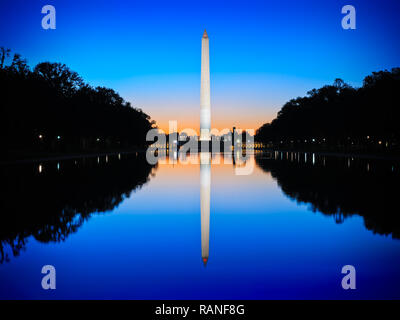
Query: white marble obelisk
x,y
205,183
205,111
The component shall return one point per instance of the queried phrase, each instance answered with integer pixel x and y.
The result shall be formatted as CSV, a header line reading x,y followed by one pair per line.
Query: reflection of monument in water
x,y
205,182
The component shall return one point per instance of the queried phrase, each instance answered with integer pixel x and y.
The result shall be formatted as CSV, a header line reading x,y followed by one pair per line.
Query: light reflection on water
x,y
120,228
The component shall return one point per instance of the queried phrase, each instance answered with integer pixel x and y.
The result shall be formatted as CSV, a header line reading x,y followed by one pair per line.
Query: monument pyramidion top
x,y
205,35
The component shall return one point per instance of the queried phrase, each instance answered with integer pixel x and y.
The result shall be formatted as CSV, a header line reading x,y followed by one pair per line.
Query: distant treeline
x,y
50,108
339,117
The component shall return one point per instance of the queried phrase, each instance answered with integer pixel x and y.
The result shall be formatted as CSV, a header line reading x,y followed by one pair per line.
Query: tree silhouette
x,y
60,77
58,200
51,109
338,117
4,53
334,189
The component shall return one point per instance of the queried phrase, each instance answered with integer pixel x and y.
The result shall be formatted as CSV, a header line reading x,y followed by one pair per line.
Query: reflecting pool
x,y
116,227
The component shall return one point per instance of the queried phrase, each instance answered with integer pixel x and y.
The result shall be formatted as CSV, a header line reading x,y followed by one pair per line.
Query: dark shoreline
x,y
32,158
372,156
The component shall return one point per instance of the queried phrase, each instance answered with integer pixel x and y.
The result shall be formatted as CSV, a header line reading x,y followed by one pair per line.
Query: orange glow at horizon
x,y
244,101
218,121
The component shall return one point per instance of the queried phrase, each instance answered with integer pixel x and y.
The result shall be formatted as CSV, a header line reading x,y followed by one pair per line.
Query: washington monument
x,y
205,166
205,111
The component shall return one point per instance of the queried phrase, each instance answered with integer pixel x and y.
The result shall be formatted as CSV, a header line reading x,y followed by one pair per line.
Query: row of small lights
x,y
40,136
313,140
313,158
41,166
238,141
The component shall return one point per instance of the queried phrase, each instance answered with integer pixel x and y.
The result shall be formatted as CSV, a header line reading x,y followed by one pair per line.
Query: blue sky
x,y
262,53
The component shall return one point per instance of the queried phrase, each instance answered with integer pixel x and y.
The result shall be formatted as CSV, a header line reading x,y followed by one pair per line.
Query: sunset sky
x,y
262,53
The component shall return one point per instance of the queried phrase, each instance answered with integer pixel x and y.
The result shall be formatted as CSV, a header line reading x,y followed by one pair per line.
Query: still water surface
x,y
116,227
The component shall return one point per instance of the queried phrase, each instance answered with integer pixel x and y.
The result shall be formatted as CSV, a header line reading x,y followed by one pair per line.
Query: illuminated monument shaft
x,y
205,182
205,111
205,165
